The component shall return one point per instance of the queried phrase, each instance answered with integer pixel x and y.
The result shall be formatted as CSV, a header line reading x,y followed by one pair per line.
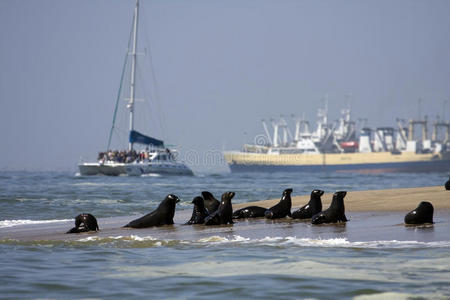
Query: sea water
x,y
286,260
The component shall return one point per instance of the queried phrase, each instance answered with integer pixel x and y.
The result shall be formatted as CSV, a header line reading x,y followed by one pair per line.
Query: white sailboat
x,y
155,158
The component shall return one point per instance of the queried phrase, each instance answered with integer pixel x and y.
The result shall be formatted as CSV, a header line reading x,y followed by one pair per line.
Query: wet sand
x,y
373,215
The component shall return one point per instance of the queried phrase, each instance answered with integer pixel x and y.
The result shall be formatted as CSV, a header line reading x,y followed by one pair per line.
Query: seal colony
x,y
221,213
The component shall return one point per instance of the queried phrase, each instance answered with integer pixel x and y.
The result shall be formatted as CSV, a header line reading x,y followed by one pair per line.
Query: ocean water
x,y
372,256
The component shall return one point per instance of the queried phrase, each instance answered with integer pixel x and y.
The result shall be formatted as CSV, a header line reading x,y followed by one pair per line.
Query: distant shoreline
x,y
405,199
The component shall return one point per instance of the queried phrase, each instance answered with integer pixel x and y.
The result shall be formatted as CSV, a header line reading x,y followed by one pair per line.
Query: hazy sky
x,y
220,67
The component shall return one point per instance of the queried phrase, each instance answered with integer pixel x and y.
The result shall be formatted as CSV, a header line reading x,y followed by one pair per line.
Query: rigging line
x,y
120,86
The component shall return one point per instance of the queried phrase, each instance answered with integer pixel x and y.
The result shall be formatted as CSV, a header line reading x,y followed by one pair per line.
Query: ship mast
x,y
133,72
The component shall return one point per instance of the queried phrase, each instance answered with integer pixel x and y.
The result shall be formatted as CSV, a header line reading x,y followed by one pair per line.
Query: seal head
x,y
249,212
84,223
199,213
163,215
224,214
211,203
282,208
313,207
335,213
421,215
447,184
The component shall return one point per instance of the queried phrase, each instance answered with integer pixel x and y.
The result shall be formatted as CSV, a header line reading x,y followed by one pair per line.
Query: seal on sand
x,y
313,207
163,215
282,208
223,215
335,213
422,214
249,212
199,213
447,184
211,203
89,224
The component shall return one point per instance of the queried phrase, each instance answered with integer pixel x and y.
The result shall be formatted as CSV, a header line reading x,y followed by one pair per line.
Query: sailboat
x,y
154,158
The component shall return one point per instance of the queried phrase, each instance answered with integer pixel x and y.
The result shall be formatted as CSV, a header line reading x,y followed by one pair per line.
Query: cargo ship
x,y
339,147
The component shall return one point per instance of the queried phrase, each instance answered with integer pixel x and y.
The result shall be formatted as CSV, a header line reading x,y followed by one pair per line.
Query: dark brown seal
x,y
335,213
282,208
313,207
224,214
421,215
84,223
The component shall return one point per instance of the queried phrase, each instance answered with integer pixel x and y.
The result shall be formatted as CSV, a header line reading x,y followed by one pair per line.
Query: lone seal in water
x,y
282,208
313,207
335,213
163,215
224,214
447,184
422,214
211,203
199,213
249,212
89,224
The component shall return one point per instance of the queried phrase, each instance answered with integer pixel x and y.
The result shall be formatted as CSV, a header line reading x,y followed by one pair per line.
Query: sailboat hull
x,y
112,169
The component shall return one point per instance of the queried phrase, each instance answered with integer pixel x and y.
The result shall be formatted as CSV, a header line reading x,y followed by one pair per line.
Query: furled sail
x,y
139,138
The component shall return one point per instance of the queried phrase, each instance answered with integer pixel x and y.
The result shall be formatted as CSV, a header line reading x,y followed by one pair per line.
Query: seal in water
x,y
224,214
249,212
422,214
313,207
447,184
199,213
211,203
163,215
335,213
89,224
282,208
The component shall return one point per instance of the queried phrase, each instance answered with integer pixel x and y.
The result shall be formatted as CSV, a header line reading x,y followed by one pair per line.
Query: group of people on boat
x,y
129,156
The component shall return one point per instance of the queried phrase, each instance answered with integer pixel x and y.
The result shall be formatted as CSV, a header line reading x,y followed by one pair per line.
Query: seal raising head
x,y
224,214
335,213
163,215
313,207
199,213
421,215
211,203
282,208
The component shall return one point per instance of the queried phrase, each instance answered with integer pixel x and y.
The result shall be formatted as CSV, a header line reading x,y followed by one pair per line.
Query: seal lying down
x,y
249,212
335,213
421,215
163,215
84,223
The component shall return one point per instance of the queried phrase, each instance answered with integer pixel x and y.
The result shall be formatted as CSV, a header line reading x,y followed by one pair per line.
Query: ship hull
x,y
352,162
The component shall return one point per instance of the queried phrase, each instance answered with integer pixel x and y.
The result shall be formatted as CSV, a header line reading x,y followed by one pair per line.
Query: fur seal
x,y
447,184
199,213
249,212
335,213
89,224
163,215
313,207
211,203
282,208
224,214
422,214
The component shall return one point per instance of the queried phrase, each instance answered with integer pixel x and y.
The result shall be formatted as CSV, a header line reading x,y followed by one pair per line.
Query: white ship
x,y
153,157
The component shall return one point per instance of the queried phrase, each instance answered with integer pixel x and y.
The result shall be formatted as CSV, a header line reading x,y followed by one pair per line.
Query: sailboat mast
x,y
133,71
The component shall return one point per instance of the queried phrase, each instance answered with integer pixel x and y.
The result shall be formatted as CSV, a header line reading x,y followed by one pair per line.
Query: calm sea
x,y
335,262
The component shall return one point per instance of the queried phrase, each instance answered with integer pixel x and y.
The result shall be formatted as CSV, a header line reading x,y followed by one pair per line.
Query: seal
x,y
335,213
163,215
249,212
282,208
224,214
447,184
89,224
313,207
199,213
421,215
211,203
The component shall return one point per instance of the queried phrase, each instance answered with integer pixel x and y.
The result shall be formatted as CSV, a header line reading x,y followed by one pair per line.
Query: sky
x,y
219,68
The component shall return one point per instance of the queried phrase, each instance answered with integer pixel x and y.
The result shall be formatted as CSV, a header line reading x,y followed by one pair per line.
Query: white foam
x,y
12,223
